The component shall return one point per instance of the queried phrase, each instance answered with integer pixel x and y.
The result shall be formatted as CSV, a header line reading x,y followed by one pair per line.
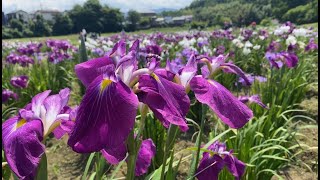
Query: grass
x,y
74,38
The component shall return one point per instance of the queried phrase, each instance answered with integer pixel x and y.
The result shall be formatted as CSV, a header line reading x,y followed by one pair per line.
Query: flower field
x,y
220,104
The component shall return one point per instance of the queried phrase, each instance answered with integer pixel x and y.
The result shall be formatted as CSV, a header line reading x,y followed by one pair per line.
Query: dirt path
x,y
63,163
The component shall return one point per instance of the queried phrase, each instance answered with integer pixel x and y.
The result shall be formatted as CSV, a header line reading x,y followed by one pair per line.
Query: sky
x,y
61,5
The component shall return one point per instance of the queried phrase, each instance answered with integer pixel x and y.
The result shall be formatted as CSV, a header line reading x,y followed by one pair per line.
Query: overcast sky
x,y
61,5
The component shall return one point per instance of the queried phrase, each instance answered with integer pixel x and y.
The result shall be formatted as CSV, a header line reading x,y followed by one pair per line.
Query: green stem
x,y
171,135
144,112
132,157
195,157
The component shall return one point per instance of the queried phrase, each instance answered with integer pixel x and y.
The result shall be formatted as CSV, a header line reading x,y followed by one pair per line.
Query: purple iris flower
x,y
66,125
219,62
291,25
30,49
264,33
17,59
212,163
110,104
187,52
311,45
247,33
243,82
273,46
203,43
260,78
292,48
220,50
98,51
251,79
19,81
274,59
146,152
22,134
252,99
227,107
291,59
8,94
278,59
154,49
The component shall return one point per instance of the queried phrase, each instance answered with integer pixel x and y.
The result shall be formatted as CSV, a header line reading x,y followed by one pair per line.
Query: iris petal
x,y
115,154
227,107
37,101
168,101
235,166
105,118
236,70
22,145
53,107
89,70
210,167
146,152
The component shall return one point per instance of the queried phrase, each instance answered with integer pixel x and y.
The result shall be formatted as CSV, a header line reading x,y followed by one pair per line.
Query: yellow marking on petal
x,y
21,123
104,84
155,77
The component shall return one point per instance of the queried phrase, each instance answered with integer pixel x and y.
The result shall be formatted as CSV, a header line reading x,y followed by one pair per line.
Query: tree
x,y
133,19
40,27
17,24
89,16
63,25
112,19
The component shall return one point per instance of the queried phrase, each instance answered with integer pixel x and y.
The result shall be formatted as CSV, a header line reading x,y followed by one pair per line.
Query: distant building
x,y
160,21
180,20
21,15
168,20
147,13
188,18
48,14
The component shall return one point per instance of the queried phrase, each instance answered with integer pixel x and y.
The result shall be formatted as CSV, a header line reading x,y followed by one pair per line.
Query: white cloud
x,y
123,5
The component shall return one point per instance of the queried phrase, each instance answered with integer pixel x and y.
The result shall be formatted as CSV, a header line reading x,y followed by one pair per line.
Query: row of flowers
x,y
115,88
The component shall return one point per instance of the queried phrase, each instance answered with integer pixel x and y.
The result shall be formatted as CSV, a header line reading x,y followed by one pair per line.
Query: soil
x,y
63,163
306,167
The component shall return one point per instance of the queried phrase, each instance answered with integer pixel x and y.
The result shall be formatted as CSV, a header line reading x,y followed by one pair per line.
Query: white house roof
x,y
178,18
48,11
160,19
16,11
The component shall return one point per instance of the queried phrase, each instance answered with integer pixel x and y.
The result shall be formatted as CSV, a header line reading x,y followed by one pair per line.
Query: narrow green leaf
x,y
42,170
84,176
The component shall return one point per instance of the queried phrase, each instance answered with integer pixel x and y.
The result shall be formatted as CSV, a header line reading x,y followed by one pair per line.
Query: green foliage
x,y
6,33
244,14
16,33
144,22
266,22
197,25
113,19
303,14
247,11
63,25
94,17
16,24
133,20
27,33
40,27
